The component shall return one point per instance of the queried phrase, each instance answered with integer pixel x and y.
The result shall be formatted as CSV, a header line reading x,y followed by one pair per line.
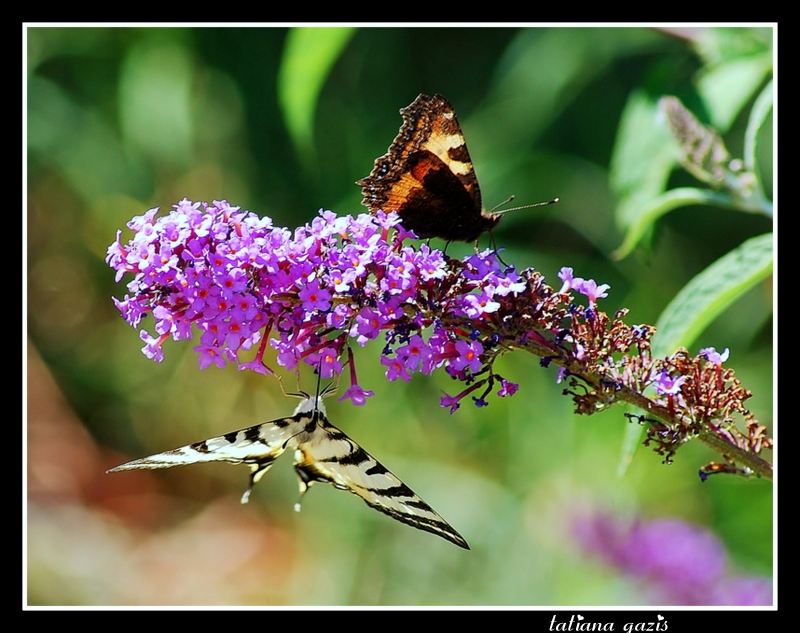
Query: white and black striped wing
x,y
257,446
328,455
322,453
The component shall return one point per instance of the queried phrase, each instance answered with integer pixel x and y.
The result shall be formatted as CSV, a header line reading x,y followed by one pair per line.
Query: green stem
x,y
724,447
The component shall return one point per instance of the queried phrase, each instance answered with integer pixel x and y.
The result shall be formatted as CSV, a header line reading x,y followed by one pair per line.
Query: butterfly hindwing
x,y
322,453
330,455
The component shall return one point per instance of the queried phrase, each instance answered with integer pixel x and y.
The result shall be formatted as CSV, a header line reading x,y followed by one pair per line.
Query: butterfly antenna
x,y
497,206
328,390
527,206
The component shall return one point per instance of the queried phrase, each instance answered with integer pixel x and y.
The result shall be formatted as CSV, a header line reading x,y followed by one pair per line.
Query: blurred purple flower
x,y
682,564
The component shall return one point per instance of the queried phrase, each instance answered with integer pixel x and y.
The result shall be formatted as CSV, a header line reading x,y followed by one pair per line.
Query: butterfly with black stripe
x,y
322,453
427,177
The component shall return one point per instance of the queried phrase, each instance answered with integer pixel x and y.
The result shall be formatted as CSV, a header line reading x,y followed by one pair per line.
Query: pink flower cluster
x,y
312,292
315,292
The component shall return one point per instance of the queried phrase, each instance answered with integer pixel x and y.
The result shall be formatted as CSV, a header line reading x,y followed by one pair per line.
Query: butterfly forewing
x,y
258,446
333,457
446,141
322,453
427,176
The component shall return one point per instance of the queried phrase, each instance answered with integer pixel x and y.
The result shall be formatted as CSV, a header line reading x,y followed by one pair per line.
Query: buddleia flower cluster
x,y
239,283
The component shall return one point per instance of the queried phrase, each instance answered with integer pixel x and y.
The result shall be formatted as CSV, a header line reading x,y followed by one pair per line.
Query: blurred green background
x,y
283,122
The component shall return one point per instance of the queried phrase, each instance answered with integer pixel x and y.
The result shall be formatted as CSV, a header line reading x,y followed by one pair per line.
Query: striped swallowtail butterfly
x,y
322,453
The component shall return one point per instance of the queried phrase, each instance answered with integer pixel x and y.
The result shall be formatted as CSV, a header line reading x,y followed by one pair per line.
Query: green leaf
x,y
759,114
663,204
308,56
644,155
736,60
727,88
719,45
711,292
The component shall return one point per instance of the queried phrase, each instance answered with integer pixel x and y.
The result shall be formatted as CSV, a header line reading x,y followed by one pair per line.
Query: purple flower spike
x,y
234,276
241,284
